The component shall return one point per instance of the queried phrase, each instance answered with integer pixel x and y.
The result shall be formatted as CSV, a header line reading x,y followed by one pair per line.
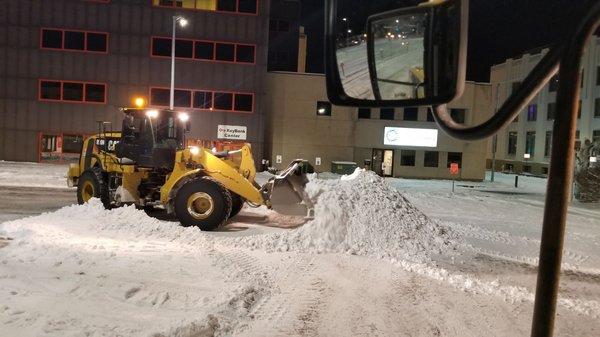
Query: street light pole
x,y
182,22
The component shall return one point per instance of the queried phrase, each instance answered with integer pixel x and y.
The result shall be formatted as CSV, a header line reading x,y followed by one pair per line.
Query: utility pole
x,y
182,22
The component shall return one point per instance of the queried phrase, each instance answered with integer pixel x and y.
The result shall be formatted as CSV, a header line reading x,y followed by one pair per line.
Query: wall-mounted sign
x,y
410,137
232,132
318,161
279,159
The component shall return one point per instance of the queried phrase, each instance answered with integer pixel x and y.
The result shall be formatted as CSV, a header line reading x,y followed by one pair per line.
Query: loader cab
x,y
150,138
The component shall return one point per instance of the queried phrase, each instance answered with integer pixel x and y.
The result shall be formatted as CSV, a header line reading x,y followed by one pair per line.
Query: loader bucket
x,y
287,193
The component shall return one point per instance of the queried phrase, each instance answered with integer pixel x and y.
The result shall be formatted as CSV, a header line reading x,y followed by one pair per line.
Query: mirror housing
x,y
440,46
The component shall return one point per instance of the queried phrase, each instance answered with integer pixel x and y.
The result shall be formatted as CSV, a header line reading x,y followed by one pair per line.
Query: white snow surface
x,y
369,263
33,174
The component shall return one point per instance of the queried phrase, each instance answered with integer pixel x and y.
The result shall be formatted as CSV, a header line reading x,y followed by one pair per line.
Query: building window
x,y
411,114
225,52
364,113
386,113
432,158
597,108
551,111
548,145
512,143
545,170
526,168
553,85
223,101
458,115
323,108
229,6
454,157
530,143
532,113
430,117
72,40
407,157
205,50
72,92
515,86
203,99
596,135
577,140
598,75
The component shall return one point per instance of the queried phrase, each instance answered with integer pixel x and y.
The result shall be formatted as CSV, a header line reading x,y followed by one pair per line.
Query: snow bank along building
x,y
67,64
526,145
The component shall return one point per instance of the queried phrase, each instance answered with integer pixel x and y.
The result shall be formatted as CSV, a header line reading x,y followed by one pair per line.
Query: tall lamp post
x,y
182,22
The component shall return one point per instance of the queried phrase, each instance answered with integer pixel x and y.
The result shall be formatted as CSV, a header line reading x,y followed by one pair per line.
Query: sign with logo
x,y
233,132
454,169
410,137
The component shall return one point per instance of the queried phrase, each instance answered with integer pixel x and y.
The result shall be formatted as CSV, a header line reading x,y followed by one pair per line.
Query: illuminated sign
x,y
232,132
410,137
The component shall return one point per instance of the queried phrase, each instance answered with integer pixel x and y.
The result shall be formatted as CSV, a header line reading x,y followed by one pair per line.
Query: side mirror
x,y
404,57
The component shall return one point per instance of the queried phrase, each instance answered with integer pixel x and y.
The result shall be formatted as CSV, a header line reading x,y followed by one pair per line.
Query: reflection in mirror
x,y
353,64
399,56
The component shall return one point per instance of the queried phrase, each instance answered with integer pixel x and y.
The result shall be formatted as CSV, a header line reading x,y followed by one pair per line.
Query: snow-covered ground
x,y
33,175
382,258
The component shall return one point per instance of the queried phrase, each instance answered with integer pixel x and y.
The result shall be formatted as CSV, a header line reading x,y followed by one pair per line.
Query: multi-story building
x,y
403,142
526,144
67,64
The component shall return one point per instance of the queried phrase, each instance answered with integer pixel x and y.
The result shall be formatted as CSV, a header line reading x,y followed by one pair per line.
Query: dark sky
x,y
499,29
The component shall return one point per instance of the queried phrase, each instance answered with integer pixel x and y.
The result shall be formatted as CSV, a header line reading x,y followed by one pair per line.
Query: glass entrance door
x,y
383,162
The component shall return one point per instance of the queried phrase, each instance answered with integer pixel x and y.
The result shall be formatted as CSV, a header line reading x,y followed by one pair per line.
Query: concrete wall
x,y
296,131
127,68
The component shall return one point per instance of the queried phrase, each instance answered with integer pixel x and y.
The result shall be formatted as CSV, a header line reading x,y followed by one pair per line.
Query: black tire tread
x,y
237,203
222,191
98,176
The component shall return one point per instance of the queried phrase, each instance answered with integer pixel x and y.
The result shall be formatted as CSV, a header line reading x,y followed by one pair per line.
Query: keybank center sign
x,y
410,137
234,132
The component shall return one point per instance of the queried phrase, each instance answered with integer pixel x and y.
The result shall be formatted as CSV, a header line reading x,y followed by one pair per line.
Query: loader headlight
x,y
184,117
194,150
152,113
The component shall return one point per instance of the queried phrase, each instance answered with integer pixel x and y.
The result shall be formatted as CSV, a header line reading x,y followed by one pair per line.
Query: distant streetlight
x,y
344,19
182,22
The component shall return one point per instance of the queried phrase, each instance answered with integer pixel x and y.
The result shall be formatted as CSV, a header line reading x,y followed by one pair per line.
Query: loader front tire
x,y
203,202
92,184
237,203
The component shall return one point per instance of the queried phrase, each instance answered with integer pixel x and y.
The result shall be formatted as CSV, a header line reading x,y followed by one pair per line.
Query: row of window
x,y
227,6
74,40
96,93
431,158
203,100
204,50
532,111
72,91
411,114
530,142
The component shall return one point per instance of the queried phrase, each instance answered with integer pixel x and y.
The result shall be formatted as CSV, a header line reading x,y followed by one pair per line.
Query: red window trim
x,y
62,48
61,100
214,57
237,8
213,91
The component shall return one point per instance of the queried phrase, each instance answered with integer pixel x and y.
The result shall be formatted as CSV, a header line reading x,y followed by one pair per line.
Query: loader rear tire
x,y
92,184
237,203
203,202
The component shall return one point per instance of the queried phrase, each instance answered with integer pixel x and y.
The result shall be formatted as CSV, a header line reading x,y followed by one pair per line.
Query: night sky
x,y
499,29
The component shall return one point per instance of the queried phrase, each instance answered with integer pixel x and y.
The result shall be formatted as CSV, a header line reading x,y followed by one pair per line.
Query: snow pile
x,y
361,214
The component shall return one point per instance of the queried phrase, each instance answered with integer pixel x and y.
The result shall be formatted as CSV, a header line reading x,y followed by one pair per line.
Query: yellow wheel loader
x,y
148,165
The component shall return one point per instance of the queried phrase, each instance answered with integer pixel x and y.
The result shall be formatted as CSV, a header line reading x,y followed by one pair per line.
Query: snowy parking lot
x,y
391,257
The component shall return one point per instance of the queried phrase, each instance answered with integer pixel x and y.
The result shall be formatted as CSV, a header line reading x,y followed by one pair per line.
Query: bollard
x,y
516,181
